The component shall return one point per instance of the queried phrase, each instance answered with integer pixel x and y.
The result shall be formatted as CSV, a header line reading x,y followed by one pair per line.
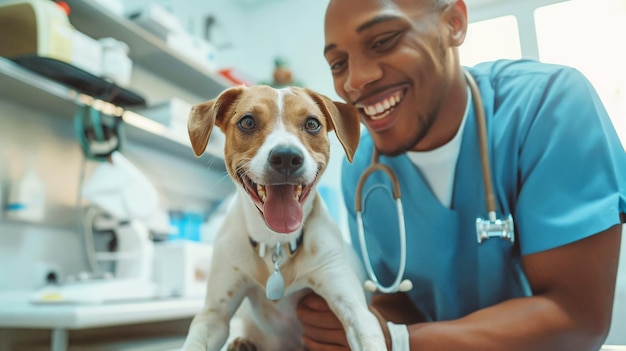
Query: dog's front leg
x,y
340,287
210,328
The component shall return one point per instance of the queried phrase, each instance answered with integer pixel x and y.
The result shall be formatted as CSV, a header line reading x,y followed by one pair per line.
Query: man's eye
x,y
312,125
385,42
247,123
337,66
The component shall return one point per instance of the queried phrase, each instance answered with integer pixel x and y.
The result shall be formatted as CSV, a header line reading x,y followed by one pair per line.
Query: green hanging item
x,y
98,134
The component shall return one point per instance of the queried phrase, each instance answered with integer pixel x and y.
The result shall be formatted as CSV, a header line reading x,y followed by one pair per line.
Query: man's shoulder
x,y
505,84
521,73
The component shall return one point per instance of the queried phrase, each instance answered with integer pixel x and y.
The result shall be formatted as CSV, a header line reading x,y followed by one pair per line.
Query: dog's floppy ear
x,y
343,118
204,116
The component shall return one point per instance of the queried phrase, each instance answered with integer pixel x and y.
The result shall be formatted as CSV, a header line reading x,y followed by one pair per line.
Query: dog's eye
x,y
312,125
247,123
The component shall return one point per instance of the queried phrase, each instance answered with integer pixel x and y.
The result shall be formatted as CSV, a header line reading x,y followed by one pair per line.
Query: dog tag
x,y
275,287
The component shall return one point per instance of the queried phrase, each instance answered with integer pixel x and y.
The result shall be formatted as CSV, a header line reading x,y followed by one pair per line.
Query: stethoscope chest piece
x,y
495,228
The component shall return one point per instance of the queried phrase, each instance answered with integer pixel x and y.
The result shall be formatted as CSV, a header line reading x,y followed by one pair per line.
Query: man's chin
x,y
389,145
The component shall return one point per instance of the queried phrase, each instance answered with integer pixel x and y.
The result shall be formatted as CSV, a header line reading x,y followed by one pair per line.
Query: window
x,y
590,36
491,39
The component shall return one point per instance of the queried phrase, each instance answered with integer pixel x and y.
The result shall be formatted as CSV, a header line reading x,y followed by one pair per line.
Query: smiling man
x,y
557,166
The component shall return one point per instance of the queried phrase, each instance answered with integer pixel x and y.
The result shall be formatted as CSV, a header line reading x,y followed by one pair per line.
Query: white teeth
x,y
260,189
382,109
380,116
298,192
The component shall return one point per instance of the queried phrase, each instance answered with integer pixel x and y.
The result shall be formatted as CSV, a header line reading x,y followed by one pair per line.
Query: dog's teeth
x,y
260,189
298,192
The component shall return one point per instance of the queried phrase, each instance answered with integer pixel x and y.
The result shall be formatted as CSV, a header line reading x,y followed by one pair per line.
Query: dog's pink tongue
x,y
281,210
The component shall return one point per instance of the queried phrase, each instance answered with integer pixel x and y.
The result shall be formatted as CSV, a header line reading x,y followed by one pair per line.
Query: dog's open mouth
x,y
280,204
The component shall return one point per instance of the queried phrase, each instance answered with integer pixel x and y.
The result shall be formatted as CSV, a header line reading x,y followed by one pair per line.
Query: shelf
x,y
27,88
146,49
21,85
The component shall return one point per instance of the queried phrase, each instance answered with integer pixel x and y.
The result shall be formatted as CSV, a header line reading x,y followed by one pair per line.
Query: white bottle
x,y
27,198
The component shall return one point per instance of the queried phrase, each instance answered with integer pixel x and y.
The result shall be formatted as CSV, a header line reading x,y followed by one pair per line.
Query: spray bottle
x,y
27,197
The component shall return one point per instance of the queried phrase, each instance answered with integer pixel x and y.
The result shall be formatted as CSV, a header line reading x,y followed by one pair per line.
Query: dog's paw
x,y
241,344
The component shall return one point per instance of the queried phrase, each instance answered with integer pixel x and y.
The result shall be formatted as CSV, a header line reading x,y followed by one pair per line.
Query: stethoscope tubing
x,y
481,124
368,265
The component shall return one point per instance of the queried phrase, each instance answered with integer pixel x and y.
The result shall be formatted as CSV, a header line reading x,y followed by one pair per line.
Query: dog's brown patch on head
x,y
256,105
203,117
342,118
299,108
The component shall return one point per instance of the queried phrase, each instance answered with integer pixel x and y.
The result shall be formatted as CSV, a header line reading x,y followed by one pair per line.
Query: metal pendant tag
x,y
275,287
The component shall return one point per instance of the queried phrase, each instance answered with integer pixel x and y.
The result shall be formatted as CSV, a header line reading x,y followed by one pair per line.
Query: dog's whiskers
x,y
225,176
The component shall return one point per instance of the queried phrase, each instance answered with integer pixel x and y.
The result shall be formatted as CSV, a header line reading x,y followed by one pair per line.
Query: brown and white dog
x,y
278,241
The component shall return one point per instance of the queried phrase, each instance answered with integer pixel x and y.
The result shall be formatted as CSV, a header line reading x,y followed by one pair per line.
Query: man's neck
x,y
449,115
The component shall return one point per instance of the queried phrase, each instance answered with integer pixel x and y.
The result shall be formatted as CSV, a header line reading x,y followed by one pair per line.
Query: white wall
x,y
250,34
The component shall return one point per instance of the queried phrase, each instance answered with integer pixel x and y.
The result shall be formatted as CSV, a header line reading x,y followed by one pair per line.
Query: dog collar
x,y
275,286
291,246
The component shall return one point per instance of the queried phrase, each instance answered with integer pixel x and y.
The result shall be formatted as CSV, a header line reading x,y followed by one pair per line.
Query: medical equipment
x,y
485,228
98,134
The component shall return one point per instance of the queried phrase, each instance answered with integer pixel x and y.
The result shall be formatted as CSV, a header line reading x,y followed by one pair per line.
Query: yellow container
x,y
35,27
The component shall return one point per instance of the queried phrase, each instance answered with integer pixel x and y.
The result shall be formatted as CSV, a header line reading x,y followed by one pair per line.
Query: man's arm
x,y
573,288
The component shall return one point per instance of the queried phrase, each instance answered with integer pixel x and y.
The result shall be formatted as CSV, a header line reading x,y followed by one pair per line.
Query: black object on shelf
x,y
81,80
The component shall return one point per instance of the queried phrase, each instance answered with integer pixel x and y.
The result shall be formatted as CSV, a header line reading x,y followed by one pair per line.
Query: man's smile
x,y
377,112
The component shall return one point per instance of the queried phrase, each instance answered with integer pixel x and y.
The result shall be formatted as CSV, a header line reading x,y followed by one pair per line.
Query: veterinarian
x,y
557,167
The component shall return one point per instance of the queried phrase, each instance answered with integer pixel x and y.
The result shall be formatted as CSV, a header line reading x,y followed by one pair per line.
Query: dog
x,y
278,241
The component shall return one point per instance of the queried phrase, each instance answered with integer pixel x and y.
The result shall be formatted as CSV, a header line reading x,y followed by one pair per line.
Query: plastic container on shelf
x,y
41,28
116,65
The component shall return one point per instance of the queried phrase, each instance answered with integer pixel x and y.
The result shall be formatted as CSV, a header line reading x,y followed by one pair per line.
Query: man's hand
x,y
322,331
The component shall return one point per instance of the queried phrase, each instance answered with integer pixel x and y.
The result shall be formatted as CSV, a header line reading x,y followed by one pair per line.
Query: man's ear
x,y
455,17
204,116
343,118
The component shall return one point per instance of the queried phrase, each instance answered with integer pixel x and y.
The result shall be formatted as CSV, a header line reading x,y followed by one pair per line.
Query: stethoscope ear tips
x,y
370,286
404,286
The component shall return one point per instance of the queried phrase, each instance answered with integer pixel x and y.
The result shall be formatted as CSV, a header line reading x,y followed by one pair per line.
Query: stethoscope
x,y
485,228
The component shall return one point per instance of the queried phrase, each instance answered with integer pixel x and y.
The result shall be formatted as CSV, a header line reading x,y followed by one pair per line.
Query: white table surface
x,y
16,311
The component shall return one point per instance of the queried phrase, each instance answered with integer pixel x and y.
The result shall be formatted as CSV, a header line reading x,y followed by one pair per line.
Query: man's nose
x,y
362,72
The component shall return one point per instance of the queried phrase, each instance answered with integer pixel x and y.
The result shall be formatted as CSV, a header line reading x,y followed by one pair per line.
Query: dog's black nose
x,y
286,159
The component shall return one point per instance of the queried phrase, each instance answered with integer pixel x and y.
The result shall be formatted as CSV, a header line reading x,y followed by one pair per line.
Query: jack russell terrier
x,y
278,241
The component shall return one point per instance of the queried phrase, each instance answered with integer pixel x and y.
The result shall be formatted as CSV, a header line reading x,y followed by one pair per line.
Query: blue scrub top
x,y
558,167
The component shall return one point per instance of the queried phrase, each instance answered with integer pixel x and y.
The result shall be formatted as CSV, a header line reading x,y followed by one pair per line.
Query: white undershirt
x,y
438,166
